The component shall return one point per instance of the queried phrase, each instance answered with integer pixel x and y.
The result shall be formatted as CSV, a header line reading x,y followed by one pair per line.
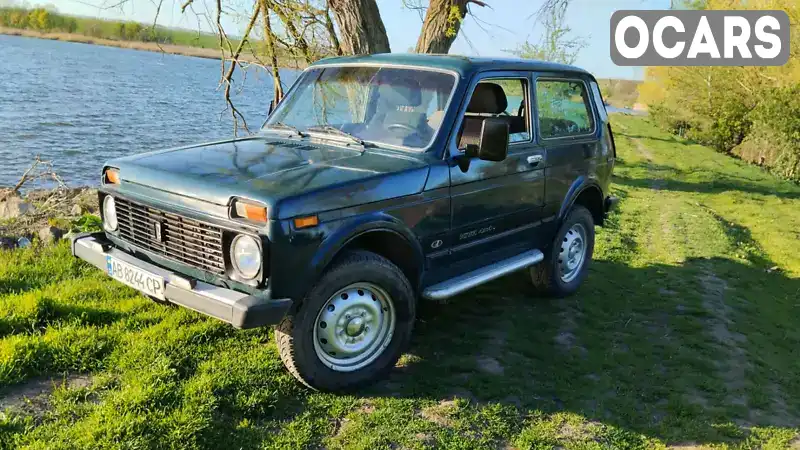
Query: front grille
x,y
184,240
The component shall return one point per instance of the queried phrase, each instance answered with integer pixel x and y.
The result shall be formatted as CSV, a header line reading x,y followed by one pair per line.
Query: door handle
x,y
534,160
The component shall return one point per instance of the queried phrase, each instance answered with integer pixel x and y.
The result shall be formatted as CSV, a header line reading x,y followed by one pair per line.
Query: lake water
x,y
80,105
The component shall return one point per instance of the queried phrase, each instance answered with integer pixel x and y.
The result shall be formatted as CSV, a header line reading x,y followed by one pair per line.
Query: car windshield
x,y
381,105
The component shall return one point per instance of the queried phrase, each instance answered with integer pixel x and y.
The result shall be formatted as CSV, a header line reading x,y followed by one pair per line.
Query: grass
x,y
685,334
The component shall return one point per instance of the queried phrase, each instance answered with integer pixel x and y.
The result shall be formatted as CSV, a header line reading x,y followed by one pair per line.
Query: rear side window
x,y
598,100
564,108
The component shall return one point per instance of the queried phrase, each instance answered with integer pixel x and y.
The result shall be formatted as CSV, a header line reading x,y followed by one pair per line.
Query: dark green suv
x,y
377,181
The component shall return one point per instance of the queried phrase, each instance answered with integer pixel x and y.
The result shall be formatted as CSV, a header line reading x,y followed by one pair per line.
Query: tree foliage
x,y
557,43
49,20
751,112
312,29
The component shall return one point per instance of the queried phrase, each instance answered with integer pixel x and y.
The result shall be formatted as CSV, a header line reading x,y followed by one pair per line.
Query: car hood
x,y
273,170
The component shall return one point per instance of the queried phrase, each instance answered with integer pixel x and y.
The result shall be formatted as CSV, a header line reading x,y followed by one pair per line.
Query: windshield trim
x,y
456,79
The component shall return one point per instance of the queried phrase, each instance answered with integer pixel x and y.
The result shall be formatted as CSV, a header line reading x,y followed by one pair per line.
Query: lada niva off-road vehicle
x,y
378,181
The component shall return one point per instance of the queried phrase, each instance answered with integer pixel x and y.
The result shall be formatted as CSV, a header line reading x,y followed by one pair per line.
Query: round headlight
x,y
109,214
246,256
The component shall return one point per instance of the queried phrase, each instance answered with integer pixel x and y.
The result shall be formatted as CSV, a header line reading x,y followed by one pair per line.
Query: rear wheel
x,y
352,327
566,262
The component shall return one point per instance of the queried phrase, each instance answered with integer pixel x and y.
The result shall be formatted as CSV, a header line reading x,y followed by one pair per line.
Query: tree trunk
x,y
337,47
361,27
441,25
269,38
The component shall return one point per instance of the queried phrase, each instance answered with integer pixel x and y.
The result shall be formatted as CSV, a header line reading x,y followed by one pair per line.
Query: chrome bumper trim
x,y
239,309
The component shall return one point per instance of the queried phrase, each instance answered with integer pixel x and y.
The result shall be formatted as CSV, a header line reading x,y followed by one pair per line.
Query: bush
x,y
726,125
775,138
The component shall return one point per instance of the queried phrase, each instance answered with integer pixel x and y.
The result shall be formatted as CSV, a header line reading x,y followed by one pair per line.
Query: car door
x,y
567,127
496,206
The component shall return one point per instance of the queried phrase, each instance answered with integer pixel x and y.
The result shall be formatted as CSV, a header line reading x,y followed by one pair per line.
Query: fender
x,y
578,186
353,228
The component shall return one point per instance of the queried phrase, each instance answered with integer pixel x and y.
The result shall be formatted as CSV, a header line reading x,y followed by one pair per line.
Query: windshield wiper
x,y
283,126
330,129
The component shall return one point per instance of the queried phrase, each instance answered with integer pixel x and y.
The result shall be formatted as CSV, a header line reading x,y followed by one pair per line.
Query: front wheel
x,y
566,261
352,327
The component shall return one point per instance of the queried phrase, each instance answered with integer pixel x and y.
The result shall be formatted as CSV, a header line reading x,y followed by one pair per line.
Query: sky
x,y
493,30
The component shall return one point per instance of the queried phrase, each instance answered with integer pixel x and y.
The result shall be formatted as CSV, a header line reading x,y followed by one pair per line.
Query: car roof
x,y
463,65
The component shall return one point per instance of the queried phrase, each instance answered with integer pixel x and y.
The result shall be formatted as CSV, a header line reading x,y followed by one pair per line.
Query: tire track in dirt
x,y
733,367
733,364
658,183
565,336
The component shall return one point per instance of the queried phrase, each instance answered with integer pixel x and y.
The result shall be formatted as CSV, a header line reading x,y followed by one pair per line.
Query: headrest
x,y
488,98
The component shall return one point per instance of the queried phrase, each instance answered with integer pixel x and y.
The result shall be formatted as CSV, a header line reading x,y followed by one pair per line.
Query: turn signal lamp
x,y
250,211
305,222
111,176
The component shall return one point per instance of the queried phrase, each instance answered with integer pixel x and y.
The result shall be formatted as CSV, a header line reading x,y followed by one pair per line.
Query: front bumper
x,y
238,309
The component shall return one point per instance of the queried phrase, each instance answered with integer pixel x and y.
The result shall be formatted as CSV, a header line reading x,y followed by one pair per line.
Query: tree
x,y
442,24
750,112
556,43
361,27
306,30
39,19
120,30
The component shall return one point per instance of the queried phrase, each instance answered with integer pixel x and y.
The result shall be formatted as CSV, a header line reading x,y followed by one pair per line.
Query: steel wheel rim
x,y
572,253
354,327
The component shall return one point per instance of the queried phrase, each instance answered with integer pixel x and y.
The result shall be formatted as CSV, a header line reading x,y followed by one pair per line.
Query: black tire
x,y
546,276
295,333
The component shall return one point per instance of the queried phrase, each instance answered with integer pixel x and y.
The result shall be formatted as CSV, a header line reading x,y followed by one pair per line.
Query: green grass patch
x,y
686,333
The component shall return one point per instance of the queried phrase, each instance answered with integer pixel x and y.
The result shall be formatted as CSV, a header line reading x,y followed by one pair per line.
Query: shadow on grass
x,y
697,352
721,182
670,139
49,311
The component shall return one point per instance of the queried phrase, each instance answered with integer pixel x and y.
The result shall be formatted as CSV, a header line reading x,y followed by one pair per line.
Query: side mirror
x,y
493,145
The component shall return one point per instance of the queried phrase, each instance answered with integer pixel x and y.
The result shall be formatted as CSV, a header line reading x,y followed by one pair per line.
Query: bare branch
x,y
25,175
40,169
186,5
288,22
269,38
227,78
549,6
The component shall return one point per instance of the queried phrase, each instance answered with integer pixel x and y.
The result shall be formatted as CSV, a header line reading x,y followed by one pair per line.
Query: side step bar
x,y
459,284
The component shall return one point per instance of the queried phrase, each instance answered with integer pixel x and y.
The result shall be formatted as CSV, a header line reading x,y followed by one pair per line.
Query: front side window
x,y
385,105
505,98
564,108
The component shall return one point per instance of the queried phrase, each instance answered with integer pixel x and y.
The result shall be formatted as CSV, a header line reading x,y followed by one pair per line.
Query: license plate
x,y
135,277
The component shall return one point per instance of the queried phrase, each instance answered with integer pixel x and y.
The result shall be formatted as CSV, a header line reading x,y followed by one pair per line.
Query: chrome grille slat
x,y
194,229
184,240
191,240
173,248
191,232
176,253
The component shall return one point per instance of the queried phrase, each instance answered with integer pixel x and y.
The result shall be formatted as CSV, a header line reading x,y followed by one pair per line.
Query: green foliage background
x,y
46,20
748,112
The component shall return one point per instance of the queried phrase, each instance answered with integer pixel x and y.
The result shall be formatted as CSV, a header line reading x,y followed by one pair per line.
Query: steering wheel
x,y
401,126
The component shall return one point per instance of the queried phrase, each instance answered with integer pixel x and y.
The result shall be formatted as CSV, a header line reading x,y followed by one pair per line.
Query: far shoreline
x,y
171,49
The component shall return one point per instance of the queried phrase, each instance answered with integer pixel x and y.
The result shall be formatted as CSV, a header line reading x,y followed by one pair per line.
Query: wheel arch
x,y
587,193
383,235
